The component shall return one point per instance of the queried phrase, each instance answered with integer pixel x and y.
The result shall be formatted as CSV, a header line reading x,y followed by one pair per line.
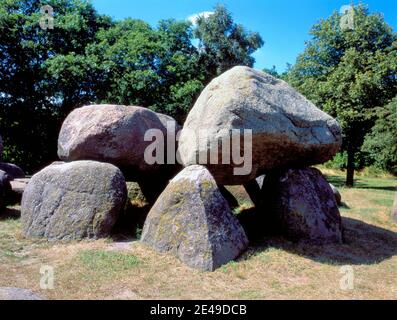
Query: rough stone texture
x,y
18,187
135,193
7,293
288,130
394,210
338,196
5,189
303,204
12,170
111,133
72,201
192,220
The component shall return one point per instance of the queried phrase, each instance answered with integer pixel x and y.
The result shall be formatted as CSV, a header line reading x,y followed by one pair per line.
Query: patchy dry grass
x,y
274,268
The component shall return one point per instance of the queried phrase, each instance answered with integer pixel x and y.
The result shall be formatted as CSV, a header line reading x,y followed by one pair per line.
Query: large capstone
x,y
302,204
287,129
192,220
76,200
116,134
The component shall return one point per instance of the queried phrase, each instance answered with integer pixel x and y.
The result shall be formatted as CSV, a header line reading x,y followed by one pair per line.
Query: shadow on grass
x,y
339,182
10,214
364,243
130,224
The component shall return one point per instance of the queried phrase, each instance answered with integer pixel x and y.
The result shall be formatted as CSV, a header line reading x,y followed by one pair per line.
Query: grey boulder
x,y
192,220
72,201
9,293
5,189
12,170
114,134
18,187
287,129
304,206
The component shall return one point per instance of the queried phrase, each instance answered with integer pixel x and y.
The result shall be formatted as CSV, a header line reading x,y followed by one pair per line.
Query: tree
x,y
150,67
273,72
381,143
224,44
348,73
88,58
33,98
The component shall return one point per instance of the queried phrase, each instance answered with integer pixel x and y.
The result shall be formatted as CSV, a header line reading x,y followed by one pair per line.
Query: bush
x,y
381,143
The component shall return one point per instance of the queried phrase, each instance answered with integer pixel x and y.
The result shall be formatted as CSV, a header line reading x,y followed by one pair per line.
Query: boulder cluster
x,y
11,178
102,146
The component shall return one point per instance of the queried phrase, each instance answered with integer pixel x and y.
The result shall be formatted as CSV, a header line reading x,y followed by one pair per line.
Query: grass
x,y
272,268
108,261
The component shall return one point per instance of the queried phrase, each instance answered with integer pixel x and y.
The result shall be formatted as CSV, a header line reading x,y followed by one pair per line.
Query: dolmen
x,y
246,127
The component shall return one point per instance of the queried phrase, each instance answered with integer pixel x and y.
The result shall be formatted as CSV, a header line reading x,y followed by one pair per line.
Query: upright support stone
x,y
303,204
192,220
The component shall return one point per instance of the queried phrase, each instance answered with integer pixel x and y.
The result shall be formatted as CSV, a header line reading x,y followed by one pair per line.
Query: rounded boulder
x,y
72,201
114,134
247,122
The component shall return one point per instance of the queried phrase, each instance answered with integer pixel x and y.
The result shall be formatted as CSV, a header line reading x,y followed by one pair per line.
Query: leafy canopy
x,y
349,72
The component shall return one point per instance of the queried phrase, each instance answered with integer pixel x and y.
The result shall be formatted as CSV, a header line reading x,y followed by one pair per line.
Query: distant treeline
x,y
349,72
90,58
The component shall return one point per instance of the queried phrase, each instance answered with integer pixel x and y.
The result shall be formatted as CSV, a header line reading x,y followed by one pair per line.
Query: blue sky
x,y
283,24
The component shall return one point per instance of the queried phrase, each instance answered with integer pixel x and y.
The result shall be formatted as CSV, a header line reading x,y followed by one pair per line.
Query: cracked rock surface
x,y
287,129
72,201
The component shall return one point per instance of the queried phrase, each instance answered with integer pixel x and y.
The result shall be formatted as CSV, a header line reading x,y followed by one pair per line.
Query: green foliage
x,y
338,162
348,73
155,68
224,44
88,58
107,261
381,143
273,72
41,78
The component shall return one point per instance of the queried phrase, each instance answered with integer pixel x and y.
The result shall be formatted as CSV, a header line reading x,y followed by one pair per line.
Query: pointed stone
x,y
192,220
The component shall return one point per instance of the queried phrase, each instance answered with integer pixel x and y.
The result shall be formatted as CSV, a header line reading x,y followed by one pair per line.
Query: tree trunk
x,y
394,210
350,169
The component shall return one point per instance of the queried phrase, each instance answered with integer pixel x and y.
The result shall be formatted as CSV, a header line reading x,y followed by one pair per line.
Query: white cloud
x,y
193,18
